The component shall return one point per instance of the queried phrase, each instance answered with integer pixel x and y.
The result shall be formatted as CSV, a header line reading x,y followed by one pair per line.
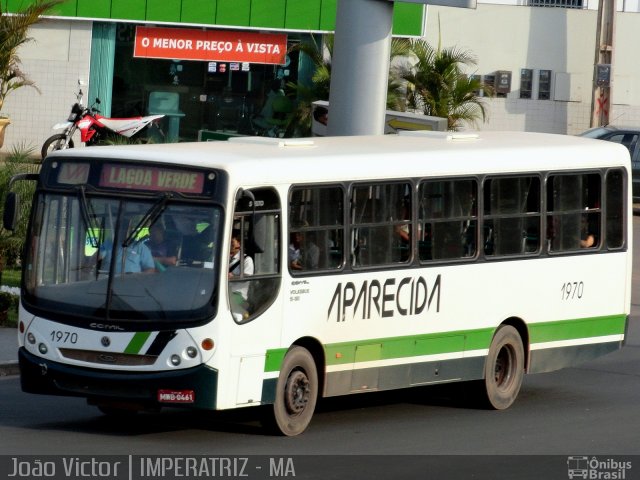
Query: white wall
x,y
508,37
55,60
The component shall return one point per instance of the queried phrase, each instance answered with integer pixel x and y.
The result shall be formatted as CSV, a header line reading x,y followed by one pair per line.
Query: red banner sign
x,y
210,45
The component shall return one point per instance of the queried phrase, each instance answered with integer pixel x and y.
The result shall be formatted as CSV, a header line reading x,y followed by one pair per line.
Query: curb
x,y
9,369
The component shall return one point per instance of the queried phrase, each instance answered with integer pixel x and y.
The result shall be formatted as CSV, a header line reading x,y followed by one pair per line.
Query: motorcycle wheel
x,y
54,142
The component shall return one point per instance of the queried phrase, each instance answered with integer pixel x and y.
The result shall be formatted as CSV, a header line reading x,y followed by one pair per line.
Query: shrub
x,y
6,301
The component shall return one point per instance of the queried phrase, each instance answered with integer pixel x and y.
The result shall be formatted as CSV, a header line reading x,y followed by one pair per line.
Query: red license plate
x,y
176,396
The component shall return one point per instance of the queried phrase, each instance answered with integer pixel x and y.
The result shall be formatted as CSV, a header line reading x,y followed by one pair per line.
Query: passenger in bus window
x,y
587,239
311,252
237,267
295,251
304,253
162,250
137,256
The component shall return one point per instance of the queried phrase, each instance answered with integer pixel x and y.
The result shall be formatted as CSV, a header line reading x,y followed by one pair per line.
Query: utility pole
x,y
601,101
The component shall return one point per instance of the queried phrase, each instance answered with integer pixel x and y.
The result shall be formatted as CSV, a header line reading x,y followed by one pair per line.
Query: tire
x,y
54,142
503,369
296,394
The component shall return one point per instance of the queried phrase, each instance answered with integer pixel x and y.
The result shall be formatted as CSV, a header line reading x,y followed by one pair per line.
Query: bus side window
x,y
316,231
254,261
449,219
381,218
573,212
512,215
615,208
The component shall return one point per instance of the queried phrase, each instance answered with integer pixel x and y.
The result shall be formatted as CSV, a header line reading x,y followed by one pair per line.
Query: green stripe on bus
x,y
579,328
137,342
455,341
274,359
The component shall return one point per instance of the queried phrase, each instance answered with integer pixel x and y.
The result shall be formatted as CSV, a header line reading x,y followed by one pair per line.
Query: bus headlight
x,y
175,360
42,348
31,338
192,352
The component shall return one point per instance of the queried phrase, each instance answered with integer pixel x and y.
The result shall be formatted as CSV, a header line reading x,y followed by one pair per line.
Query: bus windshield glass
x,y
126,260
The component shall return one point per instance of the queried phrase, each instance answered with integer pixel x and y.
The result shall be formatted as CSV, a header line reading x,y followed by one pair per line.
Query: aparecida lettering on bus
x,y
407,297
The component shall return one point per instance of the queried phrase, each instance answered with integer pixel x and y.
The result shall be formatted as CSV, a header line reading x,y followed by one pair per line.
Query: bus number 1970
x,y
64,337
572,290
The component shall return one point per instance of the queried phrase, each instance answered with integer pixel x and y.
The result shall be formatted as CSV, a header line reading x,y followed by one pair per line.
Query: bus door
x,y
254,277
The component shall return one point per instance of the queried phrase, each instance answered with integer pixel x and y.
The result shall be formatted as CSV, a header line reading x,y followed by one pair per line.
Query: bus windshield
x,y
124,260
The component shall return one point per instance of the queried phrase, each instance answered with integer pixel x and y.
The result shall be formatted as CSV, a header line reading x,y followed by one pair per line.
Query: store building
x,y
207,65
542,57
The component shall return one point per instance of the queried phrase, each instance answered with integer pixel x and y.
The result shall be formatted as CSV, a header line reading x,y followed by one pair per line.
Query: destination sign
x,y
72,173
136,177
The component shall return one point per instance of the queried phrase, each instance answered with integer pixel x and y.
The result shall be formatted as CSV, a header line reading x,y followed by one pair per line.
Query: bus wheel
x,y
296,393
503,369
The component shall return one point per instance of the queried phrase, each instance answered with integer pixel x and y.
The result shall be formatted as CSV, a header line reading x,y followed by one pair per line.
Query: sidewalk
x,y
8,351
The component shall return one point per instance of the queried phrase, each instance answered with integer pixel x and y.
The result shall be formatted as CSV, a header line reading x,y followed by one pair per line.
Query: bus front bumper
x,y
194,387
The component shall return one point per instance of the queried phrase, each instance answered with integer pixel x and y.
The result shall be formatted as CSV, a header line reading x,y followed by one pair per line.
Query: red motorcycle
x,y
96,129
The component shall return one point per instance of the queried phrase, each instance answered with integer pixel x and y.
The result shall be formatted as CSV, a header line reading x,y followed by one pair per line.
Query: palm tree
x,y
320,55
436,84
14,34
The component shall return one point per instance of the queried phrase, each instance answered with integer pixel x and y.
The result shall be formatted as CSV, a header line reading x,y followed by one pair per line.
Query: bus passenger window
x,y
512,216
316,235
379,213
573,212
448,218
614,219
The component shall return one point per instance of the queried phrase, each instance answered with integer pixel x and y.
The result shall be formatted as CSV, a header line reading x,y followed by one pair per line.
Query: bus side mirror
x,y
11,211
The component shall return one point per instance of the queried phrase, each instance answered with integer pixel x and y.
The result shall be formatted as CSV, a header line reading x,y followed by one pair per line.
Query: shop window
x,y
502,83
526,82
544,85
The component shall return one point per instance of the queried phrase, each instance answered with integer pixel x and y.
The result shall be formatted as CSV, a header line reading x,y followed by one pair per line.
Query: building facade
x,y
546,57
542,56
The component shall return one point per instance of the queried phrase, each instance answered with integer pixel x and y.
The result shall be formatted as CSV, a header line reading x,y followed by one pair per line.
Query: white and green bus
x,y
361,264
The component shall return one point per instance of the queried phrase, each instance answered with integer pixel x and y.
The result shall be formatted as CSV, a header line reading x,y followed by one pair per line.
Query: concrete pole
x,y
601,100
360,67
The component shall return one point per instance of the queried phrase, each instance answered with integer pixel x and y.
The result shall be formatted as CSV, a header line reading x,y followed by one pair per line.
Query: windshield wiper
x,y
87,213
152,214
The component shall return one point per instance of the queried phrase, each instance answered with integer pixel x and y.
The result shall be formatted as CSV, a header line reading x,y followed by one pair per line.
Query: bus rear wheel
x,y
503,370
296,393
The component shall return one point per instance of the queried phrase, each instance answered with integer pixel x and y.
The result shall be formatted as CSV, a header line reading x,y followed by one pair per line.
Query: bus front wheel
x,y
504,369
296,393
